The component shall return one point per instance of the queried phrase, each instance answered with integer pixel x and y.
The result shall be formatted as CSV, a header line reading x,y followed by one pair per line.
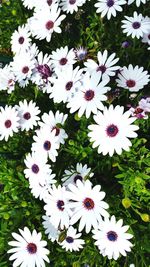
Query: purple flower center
x,y
110,3
49,2
72,2
112,236
136,25
88,203
69,239
112,130
25,69
21,40
8,123
27,116
47,145
101,68
49,25
31,248
148,36
89,95
57,130
69,85
11,82
78,177
45,71
60,205
63,61
35,168
130,83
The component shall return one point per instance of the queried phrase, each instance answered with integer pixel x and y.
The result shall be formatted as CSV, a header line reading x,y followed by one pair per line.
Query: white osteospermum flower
x,y
28,114
71,5
87,204
46,142
105,66
89,96
57,207
112,239
138,2
43,4
112,130
63,57
7,79
146,36
50,230
135,26
80,173
144,104
20,40
29,250
133,78
46,21
54,122
109,7
29,3
8,122
68,81
72,241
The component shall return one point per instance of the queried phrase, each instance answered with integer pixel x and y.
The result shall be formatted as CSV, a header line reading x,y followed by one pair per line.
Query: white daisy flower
x,y
88,99
112,239
105,66
39,188
112,130
22,66
54,122
36,167
71,6
80,53
138,2
20,40
68,81
8,122
46,21
81,172
133,78
146,36
29,3
135,26
57,207
46,142
87,204
72,241
44,4
109,7
28,114
63,57
50,230
144,104
7,79
28,249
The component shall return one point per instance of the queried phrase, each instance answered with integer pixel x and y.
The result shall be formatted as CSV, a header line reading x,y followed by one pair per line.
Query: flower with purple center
x,y
72,241
109,7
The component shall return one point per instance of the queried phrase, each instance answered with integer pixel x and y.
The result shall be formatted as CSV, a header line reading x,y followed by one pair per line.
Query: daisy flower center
x,y
10,82
47,145
69,239
112,130
78,177
21,40
44,70
69,85
130,83
110,3
88,203
112,236
136,25
49,25
89,95
72,2
27,116
60,205
35,168
31,248
57,130
63,61
8,123
101,68
49,2
25,69
148,36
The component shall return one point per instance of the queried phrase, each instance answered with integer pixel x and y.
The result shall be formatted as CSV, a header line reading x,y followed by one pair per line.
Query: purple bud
x,y
125,44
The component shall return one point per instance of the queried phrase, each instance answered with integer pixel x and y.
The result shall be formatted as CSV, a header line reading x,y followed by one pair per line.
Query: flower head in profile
x,y
28,249
112,239
113,129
